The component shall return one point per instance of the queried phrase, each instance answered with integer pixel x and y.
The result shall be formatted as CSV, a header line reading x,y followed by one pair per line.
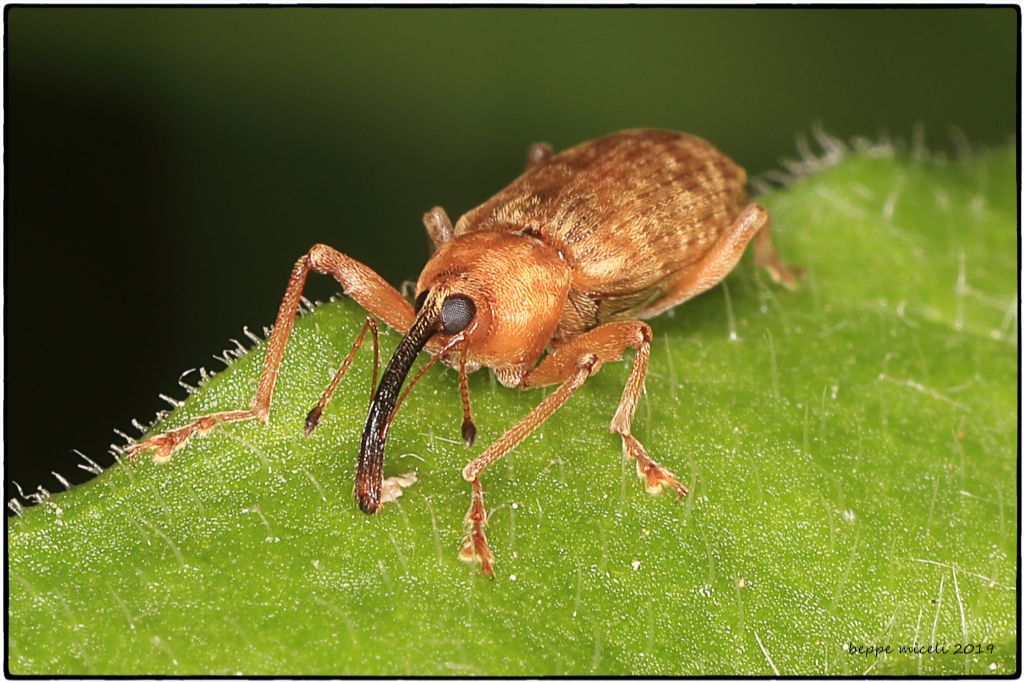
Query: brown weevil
x,y
542,283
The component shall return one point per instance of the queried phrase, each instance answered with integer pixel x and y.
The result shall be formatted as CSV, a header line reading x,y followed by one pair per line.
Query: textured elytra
x,y
627,211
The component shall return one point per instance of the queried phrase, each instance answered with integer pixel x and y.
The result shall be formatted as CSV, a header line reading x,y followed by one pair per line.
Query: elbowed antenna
x,y
371,448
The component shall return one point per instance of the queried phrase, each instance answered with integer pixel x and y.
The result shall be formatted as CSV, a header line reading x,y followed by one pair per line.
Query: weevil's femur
x,y
371,448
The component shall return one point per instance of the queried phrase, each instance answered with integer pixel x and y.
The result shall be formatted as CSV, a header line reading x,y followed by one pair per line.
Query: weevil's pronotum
x,y
542,283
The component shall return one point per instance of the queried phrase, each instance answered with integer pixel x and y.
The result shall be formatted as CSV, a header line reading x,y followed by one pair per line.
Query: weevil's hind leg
x,y
765,256
313,418
538,153
723,257
358,281
609,341
474,546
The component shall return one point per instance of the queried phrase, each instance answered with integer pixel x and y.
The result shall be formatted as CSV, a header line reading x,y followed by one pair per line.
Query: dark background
x,y
166,166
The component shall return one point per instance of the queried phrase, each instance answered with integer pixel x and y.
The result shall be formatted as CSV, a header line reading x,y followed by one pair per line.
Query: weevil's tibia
x,y
356,280
313,418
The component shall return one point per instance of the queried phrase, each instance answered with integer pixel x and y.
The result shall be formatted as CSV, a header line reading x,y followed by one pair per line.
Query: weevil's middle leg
x,y
609,341
653,474
357,281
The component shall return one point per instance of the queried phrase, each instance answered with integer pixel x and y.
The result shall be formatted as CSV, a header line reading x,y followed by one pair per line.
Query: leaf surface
x,y
851,450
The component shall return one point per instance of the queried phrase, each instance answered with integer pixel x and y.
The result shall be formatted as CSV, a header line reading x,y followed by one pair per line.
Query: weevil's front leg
x,y
474,546
571,363
608,342
358,281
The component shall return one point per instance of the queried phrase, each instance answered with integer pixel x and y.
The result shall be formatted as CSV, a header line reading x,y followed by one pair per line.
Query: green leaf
x,y
851,450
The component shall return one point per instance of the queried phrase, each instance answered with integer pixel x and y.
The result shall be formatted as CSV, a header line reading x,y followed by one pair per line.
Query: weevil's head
x,y
497,295
505,291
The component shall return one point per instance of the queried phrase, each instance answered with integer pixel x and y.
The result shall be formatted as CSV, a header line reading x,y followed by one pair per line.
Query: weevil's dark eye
x,y
420,299
456,313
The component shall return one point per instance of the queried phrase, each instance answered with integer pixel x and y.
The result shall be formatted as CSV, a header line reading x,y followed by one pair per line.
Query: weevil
x,y
542,283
